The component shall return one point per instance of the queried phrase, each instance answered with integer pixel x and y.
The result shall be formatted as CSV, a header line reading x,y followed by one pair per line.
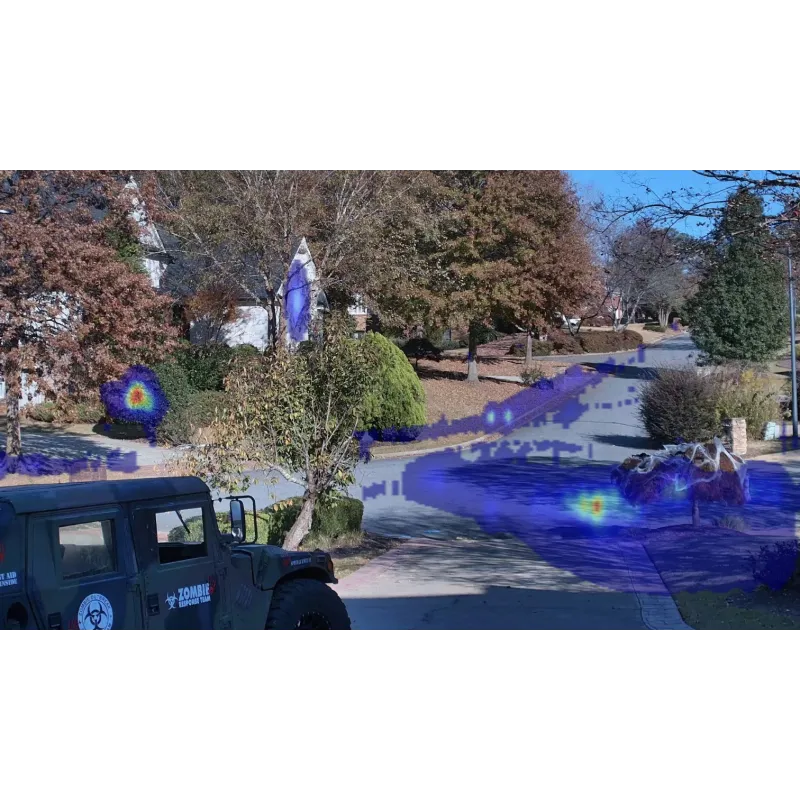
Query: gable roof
x,y
182,271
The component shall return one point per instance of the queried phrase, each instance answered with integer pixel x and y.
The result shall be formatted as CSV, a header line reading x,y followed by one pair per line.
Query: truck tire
x,y
305,603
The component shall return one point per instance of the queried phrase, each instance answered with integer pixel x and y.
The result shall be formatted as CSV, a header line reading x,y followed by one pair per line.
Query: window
x,y
87,549
181,534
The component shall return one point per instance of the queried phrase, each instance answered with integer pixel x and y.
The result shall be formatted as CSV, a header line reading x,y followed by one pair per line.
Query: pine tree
x,y
740,311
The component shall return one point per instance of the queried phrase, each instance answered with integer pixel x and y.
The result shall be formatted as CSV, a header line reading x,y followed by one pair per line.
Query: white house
x,y
252,323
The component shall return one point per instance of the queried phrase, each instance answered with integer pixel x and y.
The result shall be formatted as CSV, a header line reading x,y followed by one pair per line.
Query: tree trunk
x,y
529,351
472,355
302,525
695,513
663,316
13,396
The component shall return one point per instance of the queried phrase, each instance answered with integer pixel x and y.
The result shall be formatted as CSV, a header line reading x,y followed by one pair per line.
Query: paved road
x,y
446,495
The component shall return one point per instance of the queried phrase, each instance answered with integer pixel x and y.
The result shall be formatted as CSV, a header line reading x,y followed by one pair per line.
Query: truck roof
x,y
57,496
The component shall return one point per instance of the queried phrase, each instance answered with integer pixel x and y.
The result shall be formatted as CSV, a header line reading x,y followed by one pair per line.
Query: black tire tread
x,y
294,596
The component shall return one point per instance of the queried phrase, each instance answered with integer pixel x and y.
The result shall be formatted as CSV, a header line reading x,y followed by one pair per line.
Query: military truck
x,y
110,554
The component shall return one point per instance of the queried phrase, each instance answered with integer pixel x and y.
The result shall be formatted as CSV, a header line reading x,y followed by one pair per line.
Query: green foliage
x,y
655,327
680,405
733,522
42,412
128,248
532,375
295,413
740,309
195,526
749,394
485,334
67,412
395,405
207,366
337,517
175,384
421,348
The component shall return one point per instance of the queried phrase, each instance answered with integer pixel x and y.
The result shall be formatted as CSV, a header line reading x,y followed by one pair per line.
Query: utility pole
x,y
794,348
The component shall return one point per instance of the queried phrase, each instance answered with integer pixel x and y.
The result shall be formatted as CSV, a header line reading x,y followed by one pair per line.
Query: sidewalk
x,y
113,458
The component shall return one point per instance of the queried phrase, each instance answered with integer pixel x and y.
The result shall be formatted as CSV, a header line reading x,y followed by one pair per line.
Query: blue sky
x,y
619,184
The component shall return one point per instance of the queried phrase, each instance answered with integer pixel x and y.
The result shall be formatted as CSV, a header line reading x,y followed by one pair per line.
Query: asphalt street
x,y
455,493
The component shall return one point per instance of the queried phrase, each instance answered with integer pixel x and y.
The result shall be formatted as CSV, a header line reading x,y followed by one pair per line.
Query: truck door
x,y
179,555
82,572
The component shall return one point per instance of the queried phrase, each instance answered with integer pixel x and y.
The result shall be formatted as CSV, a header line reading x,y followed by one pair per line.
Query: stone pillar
x,y
736,434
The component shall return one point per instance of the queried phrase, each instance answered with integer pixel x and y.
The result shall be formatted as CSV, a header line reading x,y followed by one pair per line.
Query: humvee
x,y
148,553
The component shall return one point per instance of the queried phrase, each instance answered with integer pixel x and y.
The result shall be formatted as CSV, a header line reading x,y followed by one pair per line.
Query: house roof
x,y
182,274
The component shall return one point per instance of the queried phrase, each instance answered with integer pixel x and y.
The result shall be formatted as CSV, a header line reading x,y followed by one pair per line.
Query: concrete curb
x,y
377,567
545,408
659,612
499,434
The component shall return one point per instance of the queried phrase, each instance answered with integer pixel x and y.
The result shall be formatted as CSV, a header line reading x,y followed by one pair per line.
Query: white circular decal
x,y
95,613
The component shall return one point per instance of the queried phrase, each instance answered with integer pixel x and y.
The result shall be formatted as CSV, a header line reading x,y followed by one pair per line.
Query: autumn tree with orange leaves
x,y
73,313
510,244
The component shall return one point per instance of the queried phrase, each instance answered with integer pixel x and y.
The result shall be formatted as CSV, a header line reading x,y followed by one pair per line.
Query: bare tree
x,y
243,227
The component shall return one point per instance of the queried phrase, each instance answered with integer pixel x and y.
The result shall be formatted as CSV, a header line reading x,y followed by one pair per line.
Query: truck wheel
x,y
305,603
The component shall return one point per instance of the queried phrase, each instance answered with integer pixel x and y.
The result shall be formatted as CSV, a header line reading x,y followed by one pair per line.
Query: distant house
x,y
172,272
167,269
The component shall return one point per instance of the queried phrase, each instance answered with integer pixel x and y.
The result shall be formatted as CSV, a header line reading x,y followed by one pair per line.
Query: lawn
x,y
738,610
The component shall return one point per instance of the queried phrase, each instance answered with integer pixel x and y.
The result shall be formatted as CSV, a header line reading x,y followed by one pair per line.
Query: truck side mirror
x,y
238,525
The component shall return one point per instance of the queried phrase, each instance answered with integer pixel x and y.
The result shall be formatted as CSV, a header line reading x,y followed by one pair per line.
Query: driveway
x,y
494,584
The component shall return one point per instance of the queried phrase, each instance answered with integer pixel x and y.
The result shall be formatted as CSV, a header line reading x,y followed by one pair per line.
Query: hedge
x,y
338,516
395,407
66,412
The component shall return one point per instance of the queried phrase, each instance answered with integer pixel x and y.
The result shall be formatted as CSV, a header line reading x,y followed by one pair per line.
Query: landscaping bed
x,y
350,554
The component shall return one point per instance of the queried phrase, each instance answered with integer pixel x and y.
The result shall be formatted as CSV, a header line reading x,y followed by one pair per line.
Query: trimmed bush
x,y
538,348
41,412
679,405
199,411
655,327
66,412
395,408
337,516
195,533
566,344
609,341
175,385
206,366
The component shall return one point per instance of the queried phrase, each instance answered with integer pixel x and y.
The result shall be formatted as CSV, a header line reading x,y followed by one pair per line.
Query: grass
x,y
763,609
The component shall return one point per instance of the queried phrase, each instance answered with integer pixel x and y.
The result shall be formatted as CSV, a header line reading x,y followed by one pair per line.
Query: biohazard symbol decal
x,y
95,613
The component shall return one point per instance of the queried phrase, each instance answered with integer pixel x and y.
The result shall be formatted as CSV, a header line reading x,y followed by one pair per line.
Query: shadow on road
x,y
625,371
61,444
497,608
634,443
